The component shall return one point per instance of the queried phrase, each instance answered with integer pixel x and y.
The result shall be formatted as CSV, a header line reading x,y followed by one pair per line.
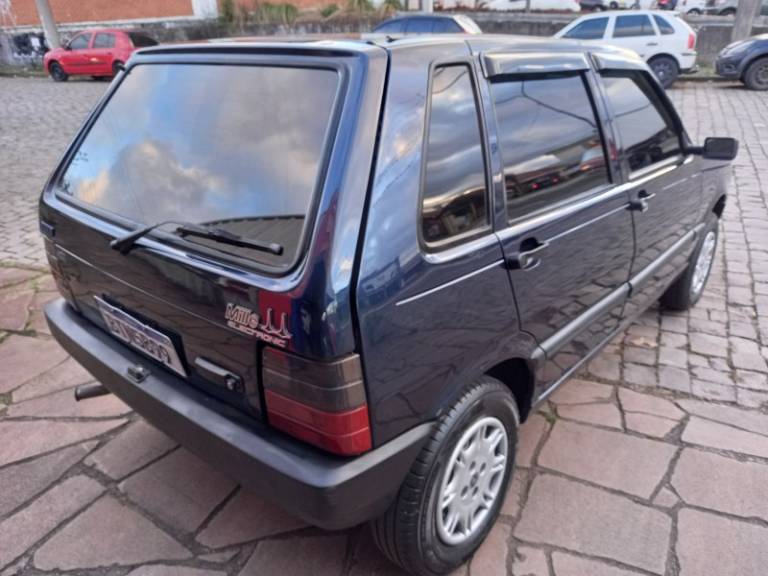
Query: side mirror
x,y
717,149
67,46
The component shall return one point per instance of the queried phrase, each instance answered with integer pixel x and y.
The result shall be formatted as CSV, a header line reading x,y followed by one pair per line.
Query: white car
x,y
691,6
665,41
536,5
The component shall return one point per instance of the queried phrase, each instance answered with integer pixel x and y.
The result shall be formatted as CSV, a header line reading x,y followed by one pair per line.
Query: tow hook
x,y
92,390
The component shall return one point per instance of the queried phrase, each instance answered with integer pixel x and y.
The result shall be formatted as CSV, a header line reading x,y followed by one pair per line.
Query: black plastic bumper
x,y
323,490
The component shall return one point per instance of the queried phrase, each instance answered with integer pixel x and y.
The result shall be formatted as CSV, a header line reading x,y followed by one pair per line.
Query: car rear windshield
x,y
238,148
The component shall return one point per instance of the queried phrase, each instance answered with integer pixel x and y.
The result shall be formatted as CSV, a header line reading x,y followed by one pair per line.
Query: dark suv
x,y
345,272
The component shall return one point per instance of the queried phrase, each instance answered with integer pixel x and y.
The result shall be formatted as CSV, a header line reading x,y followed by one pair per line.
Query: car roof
x,y
420,15
477,43
623,13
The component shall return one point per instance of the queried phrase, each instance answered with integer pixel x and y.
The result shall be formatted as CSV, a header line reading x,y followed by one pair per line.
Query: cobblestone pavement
x,y
653,461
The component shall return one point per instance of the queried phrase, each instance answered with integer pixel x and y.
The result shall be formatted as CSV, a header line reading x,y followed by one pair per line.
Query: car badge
x,y
252,323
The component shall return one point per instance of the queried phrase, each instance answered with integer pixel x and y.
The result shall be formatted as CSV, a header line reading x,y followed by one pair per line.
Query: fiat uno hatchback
x,y
345,272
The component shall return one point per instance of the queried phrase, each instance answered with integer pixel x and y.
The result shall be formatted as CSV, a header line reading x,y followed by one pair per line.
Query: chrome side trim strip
x,y
449,283
646,273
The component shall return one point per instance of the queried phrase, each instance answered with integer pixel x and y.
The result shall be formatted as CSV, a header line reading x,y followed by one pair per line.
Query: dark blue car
x,y
347,278
746,61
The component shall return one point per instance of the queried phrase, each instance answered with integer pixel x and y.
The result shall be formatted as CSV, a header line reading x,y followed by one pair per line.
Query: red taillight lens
x,y
322,403
691,41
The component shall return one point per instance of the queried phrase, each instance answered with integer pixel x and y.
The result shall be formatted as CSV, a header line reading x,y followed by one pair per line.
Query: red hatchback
x,y
94,53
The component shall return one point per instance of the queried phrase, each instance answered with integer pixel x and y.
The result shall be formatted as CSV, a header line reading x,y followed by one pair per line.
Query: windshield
x,y
235,147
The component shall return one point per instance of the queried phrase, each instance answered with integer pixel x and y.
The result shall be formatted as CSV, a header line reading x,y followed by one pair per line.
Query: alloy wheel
x,y
472,481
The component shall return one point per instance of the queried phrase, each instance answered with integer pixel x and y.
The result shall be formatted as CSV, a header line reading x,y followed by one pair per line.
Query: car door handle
x,y
529,257
640,204
652,44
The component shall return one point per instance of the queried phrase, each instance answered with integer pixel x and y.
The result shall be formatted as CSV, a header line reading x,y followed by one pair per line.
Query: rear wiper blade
x,y
225,237
124,244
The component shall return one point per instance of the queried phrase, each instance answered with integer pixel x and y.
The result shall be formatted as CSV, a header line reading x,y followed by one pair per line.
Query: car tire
x,y
117,66
756,75
411,533
613,5
688,288
666,69
57,72
694,12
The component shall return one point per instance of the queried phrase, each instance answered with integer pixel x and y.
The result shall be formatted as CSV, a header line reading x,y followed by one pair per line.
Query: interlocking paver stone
x,y
134,447
14,308
712,481
491,557
649,425
65,375
23,358
105,534
531,433
325,554
744,419
41,436
618,461
165,570
29,525
180,489
570,565
603,414
632,401
715,435
528,561
578,391
592,521
710,544
246,517
22,481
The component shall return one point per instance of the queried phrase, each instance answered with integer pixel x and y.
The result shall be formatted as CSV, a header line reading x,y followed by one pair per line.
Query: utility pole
x,y
49,25
745,17
427,6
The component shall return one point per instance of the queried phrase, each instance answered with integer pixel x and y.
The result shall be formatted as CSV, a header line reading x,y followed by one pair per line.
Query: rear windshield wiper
x,y
124,244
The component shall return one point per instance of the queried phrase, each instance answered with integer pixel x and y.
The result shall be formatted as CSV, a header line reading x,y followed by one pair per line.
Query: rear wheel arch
x,y
518,376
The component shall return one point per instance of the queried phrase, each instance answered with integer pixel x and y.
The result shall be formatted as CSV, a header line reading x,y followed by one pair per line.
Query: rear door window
x,y
454,202
592,29
550,140
104,40
172,145
647,130
633,25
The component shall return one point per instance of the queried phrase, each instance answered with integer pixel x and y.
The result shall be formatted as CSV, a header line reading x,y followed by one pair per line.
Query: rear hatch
x,y
246,146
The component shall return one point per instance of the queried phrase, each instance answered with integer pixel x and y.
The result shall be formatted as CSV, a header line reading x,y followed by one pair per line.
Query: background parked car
x,y
94,53
429,24
692,6
666,42
728,8
540,5
747,61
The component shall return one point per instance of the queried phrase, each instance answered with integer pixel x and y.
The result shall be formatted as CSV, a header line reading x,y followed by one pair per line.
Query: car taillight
x,y
321,403
691,41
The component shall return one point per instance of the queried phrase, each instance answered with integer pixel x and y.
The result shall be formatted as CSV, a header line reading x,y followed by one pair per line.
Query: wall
x,y
25,12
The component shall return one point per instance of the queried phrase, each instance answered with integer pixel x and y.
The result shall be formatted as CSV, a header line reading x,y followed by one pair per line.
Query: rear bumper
x,y
324,490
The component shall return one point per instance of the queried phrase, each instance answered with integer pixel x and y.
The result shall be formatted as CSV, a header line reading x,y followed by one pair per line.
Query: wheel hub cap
x,y
703,263
472,481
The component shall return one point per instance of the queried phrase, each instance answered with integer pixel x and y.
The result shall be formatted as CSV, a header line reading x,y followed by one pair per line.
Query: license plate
x,y
140,336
